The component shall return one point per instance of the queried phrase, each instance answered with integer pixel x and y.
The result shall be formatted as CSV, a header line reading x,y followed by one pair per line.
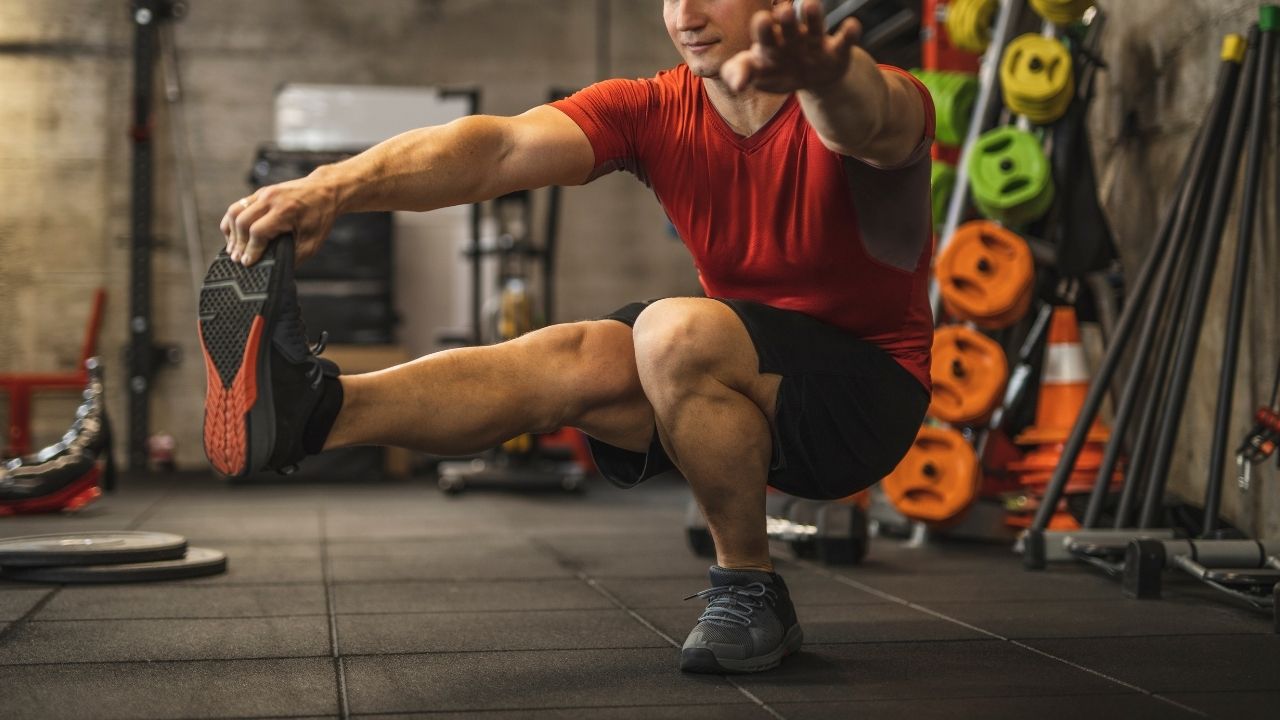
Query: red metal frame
x,y
21,386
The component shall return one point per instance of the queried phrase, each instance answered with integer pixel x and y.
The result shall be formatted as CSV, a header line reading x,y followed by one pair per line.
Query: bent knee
x,y
684,337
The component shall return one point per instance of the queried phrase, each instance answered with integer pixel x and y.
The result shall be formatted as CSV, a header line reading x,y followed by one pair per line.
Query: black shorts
x,y
846,411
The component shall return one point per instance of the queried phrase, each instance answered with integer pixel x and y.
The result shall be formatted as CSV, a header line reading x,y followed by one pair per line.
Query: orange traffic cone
x,y
1063,385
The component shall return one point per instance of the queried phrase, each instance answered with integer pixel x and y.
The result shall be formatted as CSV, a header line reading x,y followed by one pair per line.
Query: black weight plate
x,y
198,562
90,548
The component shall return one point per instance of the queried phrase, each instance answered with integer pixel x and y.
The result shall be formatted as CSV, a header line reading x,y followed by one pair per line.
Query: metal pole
x,y
1206,261
986,105
1239,276
1168,246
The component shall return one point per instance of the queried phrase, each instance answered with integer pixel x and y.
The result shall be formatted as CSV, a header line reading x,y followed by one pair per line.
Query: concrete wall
x,y
64,163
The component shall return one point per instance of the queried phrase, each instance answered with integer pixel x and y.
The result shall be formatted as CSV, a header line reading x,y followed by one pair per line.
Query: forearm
x,y
850,114
420,170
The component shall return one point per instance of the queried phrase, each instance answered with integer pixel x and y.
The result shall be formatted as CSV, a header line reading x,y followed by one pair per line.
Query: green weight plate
x,y
1010,176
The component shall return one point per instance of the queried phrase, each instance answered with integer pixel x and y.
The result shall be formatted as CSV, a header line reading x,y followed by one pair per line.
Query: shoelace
x,y
734,604
315,373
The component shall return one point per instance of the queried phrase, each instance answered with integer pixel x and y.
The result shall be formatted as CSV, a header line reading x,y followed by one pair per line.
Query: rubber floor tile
x,y
921,585
1232,704
470,632
151,640
17,601
874,671
1106,618
145,691
444,565
472,595
886,622
292,526
741,711
1131,706
1185,663
806,589
184,600
527,680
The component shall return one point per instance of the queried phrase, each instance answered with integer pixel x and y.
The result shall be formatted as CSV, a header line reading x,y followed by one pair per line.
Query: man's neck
x,y
745,112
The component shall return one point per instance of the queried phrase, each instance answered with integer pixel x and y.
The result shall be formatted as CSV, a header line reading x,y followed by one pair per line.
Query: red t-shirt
x,y
776,217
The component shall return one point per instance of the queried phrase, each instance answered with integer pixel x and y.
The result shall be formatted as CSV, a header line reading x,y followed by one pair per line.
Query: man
x,y
797,173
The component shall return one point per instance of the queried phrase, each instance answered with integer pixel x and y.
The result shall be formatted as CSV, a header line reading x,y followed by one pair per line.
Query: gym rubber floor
x,y
392,600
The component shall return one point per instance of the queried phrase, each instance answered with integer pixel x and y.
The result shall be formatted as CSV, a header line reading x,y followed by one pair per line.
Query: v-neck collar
x,y
759,137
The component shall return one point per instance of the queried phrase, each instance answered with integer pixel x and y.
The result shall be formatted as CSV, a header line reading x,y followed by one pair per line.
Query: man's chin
x,y
704,69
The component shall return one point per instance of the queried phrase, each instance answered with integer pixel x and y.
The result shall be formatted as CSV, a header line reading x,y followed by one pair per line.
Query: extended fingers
x,y
848,35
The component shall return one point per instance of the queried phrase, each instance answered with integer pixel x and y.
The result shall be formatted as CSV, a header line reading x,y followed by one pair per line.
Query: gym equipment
x,y
1245,570
969,23
197,562
1163,267
938,479
1037,78
835,532
953,95
1258,128
986,275
969,373
90,548
1061,12
986,108
1260,443
942,180
1010,177
64,476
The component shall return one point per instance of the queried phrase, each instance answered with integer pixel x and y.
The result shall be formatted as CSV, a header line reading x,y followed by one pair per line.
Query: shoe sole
x,y
237,311
702,660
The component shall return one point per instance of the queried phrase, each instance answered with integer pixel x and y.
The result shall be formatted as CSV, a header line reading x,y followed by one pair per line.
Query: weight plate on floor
x,y
197,563
90,548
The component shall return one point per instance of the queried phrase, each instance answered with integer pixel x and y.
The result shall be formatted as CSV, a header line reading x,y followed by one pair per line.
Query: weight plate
x,y
969,23
1037,78
90,548
937,479
969,372
197,563
1061,12
1010,178
986,275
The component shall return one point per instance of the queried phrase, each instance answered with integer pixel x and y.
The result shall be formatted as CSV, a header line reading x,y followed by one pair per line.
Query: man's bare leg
x,y
714,410
462,401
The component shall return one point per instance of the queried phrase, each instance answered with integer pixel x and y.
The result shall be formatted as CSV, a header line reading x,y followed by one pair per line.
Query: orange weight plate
x,y
969,374
937,479
986,275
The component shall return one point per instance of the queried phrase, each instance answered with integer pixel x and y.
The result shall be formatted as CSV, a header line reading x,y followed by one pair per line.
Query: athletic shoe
x,y
749,624
264,380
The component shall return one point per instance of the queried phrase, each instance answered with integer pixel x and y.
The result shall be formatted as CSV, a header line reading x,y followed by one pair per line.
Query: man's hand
x,y
792,51
305,207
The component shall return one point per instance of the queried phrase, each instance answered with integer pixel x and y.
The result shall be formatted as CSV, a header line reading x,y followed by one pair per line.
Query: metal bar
x,y
1168,246
987,104
1206,261
182,156
1111,360
1239,281
145,17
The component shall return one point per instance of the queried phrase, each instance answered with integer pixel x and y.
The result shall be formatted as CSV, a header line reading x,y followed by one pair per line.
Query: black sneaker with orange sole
x,y
264,379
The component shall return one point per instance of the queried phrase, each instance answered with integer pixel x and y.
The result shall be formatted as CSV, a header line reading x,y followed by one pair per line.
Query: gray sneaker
x,y
749,624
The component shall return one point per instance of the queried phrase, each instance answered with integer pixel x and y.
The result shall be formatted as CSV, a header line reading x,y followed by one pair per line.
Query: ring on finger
x,y
244,202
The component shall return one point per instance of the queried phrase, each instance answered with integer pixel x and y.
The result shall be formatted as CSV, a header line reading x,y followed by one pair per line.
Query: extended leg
x,y
462,401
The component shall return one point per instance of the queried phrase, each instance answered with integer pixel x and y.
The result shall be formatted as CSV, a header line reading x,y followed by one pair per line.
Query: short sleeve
x,y
613,114
930,117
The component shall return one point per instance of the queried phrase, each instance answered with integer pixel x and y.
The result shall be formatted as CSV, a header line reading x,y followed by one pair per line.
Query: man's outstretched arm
x,y
856,108
468,160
